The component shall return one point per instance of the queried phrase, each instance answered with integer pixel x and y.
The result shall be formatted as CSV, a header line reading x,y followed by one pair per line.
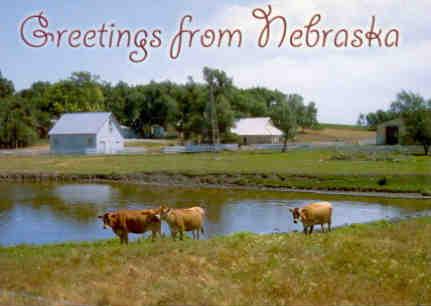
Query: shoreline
x,y
138,240
212,181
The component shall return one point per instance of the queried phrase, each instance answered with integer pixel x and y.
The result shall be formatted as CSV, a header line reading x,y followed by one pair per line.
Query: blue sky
x,y
343,83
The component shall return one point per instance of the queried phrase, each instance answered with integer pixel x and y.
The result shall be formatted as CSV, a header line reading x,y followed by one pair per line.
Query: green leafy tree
x,y
219,115
192,100
284,117
362,121
405,102
310,116
418,125
82,92
7,88
115,99
150,105
38,97
18,126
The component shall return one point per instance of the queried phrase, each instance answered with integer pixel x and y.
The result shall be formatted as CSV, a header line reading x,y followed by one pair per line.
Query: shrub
x,y
382,181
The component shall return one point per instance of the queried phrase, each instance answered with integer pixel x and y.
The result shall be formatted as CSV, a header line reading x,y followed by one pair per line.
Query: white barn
x,y
86,133
257,131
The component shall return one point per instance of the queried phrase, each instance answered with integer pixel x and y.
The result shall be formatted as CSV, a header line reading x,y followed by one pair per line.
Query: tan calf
x,y
184,220
313,214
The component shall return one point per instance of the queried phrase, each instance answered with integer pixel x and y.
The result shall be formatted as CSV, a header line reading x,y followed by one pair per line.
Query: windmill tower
x,y
211,115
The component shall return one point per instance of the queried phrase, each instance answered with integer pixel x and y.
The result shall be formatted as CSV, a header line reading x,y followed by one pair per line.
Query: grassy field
x,y
151,144
343,126
335,133
322,169
373,264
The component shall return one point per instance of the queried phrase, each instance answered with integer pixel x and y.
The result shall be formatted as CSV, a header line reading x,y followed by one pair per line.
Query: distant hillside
x,y
336,132
343,126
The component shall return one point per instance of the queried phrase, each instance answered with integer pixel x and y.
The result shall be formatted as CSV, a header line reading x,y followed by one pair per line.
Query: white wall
x,y
78,143
109,139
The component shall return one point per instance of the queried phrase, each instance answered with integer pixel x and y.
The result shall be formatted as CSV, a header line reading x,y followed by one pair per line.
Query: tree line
x,y
199,112
415,111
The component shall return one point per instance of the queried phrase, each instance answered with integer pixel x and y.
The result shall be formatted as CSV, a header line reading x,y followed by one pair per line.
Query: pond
x,y
50,213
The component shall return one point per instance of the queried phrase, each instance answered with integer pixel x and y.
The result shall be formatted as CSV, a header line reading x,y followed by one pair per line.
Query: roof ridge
x,y
80,122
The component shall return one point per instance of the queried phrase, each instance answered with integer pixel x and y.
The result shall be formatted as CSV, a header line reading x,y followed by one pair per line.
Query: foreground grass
x,y
379,263
300,168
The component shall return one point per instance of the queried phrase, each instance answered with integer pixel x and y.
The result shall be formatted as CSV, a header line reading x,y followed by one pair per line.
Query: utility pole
x,y
215,139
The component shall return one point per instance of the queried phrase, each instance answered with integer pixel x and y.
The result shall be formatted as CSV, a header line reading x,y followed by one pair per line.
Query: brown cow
x,y
312,214
184,220
124,222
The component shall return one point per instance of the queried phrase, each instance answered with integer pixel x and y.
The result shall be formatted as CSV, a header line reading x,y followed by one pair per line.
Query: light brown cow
x,y
124,222
184,220
312,214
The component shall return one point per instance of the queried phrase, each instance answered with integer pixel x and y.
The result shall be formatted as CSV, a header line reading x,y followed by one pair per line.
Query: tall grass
x,y
373,264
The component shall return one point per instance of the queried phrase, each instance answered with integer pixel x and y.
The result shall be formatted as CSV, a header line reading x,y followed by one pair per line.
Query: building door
x,y
108,146
102,147
392,135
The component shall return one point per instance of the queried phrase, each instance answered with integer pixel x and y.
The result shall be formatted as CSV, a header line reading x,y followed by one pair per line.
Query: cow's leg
x,y
197,234
329,226
153,235
194,234
118,234
323,228
173,234
305,230
311,229
126,237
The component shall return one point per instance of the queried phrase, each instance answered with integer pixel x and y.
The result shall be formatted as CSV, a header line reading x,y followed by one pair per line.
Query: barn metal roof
x,y
80,123
256,127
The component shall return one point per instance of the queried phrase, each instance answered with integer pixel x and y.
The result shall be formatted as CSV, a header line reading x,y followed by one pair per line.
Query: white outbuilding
x,y
257,131
86,133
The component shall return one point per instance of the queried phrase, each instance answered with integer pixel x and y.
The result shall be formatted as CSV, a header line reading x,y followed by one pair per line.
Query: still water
x,y
49,213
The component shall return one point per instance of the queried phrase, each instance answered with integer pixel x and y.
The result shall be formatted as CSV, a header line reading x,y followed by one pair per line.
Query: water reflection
x,y
44,213
82,194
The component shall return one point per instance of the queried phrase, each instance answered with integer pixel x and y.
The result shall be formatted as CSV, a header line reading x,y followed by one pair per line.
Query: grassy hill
x,y
373,264
336,132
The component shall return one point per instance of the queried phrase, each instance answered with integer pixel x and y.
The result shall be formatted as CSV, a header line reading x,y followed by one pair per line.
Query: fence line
x,y
200,148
